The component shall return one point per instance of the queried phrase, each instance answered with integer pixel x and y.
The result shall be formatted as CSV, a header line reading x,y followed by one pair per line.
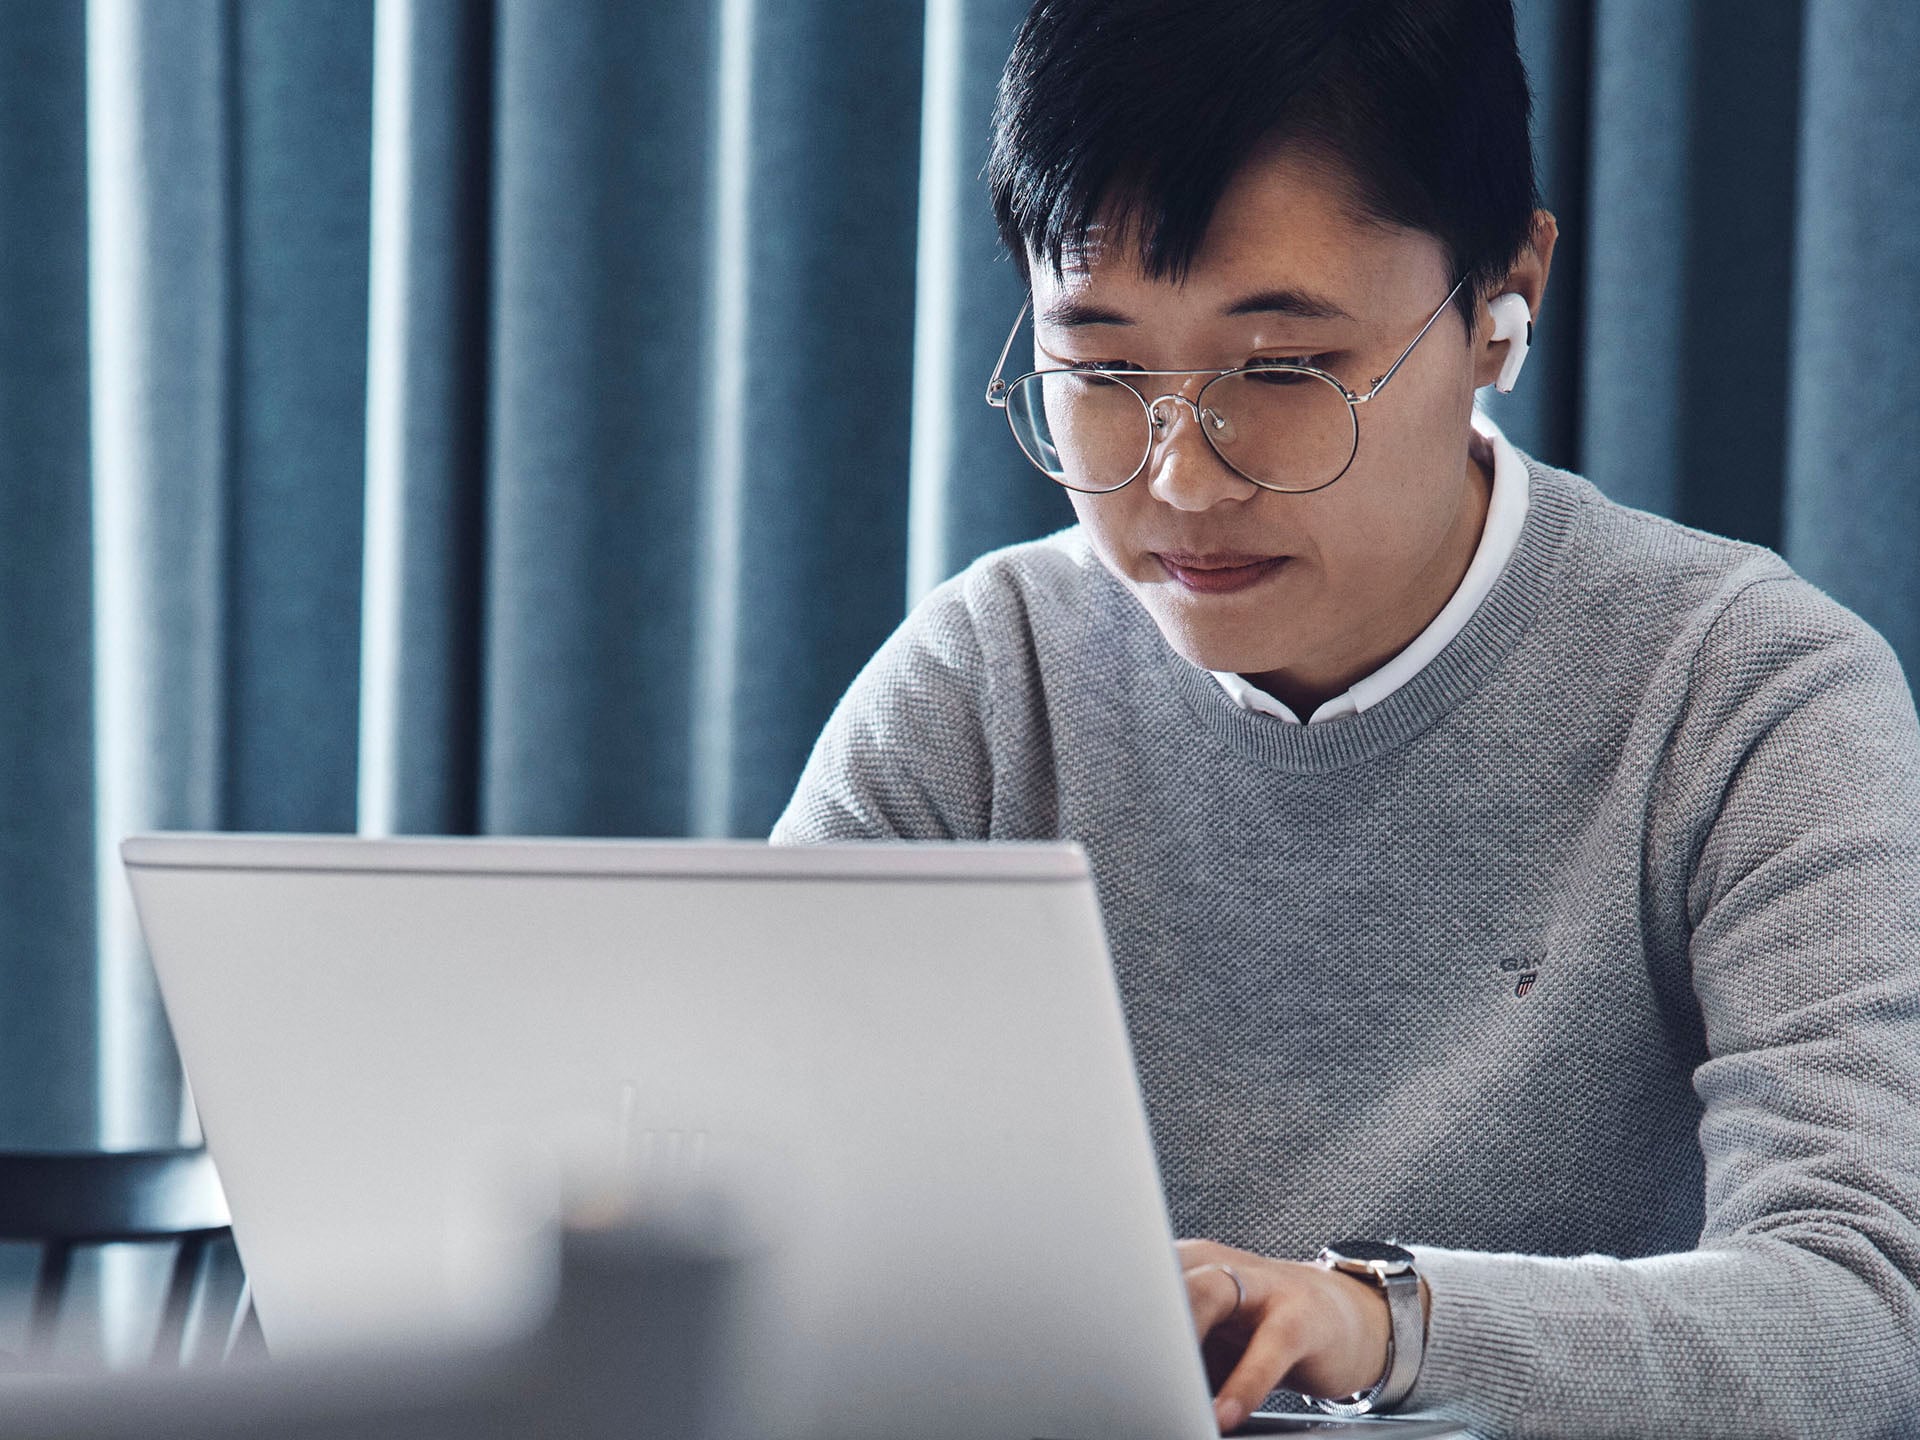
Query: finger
x,y
1195,1253
1272,1350
1212,1296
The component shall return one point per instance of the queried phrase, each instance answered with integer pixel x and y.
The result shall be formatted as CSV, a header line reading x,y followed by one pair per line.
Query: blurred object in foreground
x,y
633,1348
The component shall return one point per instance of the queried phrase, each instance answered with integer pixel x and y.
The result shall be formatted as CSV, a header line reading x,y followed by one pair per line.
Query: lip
x,y
1218,572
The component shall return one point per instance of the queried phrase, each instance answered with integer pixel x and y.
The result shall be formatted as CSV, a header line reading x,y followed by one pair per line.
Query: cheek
x,y
1106,520
1366,514
1381,528
1404,487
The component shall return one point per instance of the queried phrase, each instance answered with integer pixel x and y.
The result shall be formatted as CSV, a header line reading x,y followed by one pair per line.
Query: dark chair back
x,y
62,1201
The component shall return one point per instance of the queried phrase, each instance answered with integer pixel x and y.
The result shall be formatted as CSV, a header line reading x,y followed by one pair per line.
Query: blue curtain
x,y
523,416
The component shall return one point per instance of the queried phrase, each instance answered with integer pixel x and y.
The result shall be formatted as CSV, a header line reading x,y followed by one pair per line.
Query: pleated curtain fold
x,y
514,416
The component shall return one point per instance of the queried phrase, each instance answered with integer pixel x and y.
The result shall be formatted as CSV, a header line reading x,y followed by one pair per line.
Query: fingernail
x,y
1228,1414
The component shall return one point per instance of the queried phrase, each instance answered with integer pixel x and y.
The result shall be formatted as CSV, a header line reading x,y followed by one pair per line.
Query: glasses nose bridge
x,y
1160,422
1205,419
1160,458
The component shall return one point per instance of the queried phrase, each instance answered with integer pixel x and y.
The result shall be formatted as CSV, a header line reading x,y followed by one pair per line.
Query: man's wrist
x,y
1390,1269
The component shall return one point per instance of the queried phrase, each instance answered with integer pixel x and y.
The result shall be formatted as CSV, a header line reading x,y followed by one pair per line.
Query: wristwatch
x,y
1391,1268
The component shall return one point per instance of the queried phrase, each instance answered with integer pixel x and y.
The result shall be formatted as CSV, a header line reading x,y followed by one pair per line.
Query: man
x,y
1573,940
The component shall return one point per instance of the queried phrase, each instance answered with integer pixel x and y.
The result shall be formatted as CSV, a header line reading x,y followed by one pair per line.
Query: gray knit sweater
x,y
1587,964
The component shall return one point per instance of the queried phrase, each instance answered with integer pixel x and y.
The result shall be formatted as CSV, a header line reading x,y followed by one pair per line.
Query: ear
x,y
1528,280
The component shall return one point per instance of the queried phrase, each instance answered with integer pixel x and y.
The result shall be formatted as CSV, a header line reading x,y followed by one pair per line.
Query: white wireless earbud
x,y
1514,324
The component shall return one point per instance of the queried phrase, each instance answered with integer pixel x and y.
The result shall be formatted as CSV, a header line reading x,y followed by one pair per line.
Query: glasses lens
x,y
1287,429
1087,430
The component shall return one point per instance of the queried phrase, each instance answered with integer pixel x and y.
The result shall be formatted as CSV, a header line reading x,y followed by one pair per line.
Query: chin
x,y
1215,642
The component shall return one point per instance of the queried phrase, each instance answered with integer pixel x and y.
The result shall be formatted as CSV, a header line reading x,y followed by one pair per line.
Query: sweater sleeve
x,y
904,754
1792,791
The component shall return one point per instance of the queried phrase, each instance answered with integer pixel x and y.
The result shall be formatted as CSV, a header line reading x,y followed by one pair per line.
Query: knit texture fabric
x,y
1587,964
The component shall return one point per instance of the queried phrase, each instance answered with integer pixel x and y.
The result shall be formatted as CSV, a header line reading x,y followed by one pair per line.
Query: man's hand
x,y
1310,1329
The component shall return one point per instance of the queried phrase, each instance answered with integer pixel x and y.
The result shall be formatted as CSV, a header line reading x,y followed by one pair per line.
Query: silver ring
x,y
1239,1290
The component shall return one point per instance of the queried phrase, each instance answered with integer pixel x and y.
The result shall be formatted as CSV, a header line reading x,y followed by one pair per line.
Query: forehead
x,y
1288,221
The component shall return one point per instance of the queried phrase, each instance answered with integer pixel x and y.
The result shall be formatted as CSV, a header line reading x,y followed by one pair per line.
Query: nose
x,y
1183,469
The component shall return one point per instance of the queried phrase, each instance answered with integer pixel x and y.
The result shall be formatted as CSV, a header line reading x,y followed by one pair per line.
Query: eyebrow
x,y
1071,313
1301,304
1068,313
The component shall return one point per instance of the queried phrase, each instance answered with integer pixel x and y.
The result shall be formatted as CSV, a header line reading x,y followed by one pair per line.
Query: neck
x,y
1304,689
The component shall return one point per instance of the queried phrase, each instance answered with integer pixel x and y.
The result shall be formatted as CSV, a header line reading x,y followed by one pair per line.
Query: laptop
x,y
903,1067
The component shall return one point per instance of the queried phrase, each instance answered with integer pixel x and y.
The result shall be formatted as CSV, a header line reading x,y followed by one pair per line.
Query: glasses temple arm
x,y
996,387
1381,383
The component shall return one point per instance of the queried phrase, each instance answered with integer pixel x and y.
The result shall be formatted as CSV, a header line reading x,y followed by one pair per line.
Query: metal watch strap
x,y
1406,1337
1408,1345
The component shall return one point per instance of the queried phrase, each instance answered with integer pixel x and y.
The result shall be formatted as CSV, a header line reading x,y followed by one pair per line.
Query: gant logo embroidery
x,y
1526,972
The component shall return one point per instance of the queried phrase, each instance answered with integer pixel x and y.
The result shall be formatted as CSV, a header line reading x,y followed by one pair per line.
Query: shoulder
x,y
1740,673
917,744
1024,586
1648,560
1783,661
1023,609
1716,610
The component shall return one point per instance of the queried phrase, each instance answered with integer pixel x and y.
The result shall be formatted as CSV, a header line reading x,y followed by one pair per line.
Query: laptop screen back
x,y
905,1065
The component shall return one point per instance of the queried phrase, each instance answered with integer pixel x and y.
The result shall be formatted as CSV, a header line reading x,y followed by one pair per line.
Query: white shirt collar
x,y
1506,514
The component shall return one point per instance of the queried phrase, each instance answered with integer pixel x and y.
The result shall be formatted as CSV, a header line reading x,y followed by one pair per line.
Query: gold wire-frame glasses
x,y
1081,427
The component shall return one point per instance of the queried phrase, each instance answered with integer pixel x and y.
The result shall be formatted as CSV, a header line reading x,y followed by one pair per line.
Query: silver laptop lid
x,y
907,1062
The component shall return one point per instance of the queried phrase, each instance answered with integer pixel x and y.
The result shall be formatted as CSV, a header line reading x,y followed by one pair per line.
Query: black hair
x,y
1140,112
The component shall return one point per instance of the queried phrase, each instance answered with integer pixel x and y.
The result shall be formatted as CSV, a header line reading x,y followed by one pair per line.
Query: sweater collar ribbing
x,y
1455,673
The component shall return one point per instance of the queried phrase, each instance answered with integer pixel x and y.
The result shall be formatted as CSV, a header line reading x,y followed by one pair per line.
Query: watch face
x,y
1371,1252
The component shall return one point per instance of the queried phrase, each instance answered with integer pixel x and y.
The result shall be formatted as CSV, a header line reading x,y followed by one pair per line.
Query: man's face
x,y
1341,578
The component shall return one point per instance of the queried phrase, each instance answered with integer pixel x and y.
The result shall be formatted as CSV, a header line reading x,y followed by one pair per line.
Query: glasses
x,y
1276,424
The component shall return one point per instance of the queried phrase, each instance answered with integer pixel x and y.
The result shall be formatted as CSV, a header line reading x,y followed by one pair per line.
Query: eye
x,y
1266,369
1122,371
